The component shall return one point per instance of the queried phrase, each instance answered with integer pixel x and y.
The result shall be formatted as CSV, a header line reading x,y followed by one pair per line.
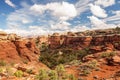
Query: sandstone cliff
x,y
15,49
103,42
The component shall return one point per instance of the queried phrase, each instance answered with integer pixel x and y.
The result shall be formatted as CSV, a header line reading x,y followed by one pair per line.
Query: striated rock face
x,y
18,51
96,43
8,52
27,50
54,41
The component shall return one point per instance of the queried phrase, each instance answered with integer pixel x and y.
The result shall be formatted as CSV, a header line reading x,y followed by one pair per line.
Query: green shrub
x,y
60,69
85,72
29,71
57,74
108,54
53,75
1,70
52,58
75,62
43,47
2,63
18,73
43,75
72,77
93,64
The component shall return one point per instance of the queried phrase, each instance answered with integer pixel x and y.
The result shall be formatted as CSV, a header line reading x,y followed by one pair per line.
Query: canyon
x,y
25,52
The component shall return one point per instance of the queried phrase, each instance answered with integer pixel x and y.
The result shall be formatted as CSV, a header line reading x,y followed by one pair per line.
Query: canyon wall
x,y
93,42
16,49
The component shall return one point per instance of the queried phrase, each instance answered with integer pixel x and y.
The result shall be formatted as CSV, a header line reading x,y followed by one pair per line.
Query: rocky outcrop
x,y
3,35
97,43
18,51
13,37
8,52
27,49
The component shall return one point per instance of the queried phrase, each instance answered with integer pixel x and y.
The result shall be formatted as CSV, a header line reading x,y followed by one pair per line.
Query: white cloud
x,y
31,31
98,11
82,6
99,24
60,26
115,18
79,28
38,9
105,3
62,10
18,18
10,3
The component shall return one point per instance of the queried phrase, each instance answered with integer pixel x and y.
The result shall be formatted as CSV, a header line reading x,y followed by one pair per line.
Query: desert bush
x,y
60,69
1,70
29,71
93,64
52,58
57,74
18,73
43,75
86,72
44,47
53,75
72,77
108,54
2,63
75,62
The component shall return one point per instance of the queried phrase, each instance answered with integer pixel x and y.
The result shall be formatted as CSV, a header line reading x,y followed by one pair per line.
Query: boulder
x,y
116,59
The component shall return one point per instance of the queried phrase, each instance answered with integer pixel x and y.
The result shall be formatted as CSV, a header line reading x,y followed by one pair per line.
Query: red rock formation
x,y
18,51
27,49
101,42
54,41
8,52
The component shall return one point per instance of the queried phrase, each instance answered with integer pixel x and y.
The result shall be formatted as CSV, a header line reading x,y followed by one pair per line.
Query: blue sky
x,y
39,17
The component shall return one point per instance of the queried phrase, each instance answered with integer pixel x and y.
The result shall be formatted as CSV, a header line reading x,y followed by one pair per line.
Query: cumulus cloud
x,y
19,18
62,10
79,28
98,11
47,18
40,19
10,3
105,3
99,24
60,26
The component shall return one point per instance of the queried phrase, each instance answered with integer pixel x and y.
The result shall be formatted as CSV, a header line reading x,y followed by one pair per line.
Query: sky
x,y
41,17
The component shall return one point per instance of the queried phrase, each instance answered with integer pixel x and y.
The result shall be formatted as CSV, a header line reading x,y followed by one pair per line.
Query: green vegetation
x,y
108,54
75,62
57,74
72,77
1,70
93,64
2,63
18,73
53,58
29,71
86,72
43,47
43,75
53,75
